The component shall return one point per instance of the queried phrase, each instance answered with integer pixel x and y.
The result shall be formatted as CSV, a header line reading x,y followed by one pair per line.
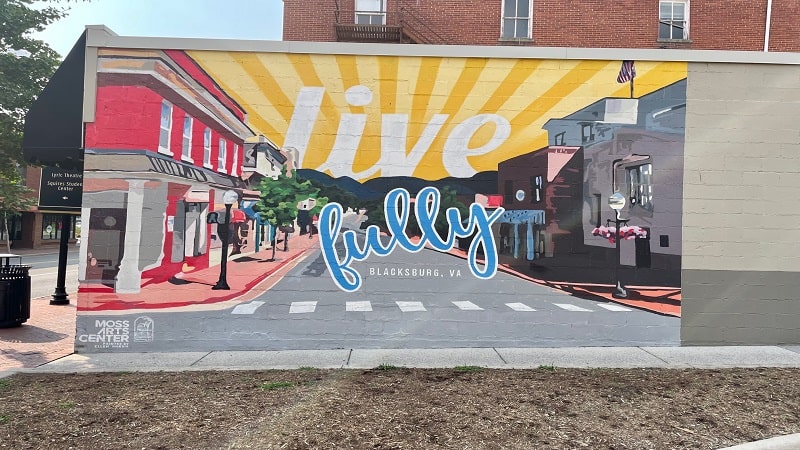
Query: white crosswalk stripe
x,y
302,307
411,306
358,306
247,308
468,306
574,308
613,307
521,307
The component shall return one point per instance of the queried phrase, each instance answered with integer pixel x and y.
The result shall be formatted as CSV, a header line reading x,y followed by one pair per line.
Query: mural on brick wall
x,y
241,200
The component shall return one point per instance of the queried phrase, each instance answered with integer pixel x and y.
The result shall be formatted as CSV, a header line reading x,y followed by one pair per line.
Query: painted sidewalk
x,y
193,289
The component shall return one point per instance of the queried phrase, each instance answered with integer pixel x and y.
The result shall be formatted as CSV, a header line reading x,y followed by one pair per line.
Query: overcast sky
x,y
233,19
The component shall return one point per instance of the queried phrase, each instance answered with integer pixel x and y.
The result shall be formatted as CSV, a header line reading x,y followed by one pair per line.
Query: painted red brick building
x,y
751,25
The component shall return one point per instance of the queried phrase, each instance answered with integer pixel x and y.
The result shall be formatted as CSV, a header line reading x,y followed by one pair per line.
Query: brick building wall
x,y
714,24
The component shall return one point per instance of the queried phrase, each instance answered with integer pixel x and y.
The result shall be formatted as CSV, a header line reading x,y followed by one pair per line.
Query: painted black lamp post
x,y
228,198
617,201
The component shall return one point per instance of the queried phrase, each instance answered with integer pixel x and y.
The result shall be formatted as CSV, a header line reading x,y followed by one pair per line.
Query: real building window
x,y
51,227
223,155
166,127
371,12
516,19
207,147
14,229
673,19
187,138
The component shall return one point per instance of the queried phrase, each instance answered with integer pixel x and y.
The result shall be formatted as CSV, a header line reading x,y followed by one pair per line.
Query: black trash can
x,y
15,295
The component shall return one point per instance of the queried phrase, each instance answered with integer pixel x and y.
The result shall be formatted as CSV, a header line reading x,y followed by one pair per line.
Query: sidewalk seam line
x,y
655,356
347,360
500,356
201,358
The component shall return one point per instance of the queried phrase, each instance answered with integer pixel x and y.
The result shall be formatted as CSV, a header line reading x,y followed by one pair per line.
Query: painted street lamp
x,y
228,198
617,201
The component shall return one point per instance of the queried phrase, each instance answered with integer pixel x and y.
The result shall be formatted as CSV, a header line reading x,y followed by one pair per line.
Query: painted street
x,y
426,299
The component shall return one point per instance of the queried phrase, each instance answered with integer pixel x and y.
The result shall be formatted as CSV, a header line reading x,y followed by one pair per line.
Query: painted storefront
x,y
379,201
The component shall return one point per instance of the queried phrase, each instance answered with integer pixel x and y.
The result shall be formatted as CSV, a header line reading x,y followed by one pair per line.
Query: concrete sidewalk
x,y
503,358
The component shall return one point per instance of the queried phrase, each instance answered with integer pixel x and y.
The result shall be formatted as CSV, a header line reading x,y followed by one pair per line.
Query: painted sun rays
x,y
524,92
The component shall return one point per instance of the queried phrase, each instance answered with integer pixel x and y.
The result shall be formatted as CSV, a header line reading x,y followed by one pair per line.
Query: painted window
x,y
640,185
508,192
537,189
587,133
187,138
166,127
207,148
560,137
517,19
222,160
371,12
673,19
234,168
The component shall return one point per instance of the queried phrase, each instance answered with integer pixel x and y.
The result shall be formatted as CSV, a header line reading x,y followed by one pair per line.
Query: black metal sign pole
x,y
60,296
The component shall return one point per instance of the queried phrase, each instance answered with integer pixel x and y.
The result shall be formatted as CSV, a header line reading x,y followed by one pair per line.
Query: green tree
x,y
335,194
14,197
26,65
278,204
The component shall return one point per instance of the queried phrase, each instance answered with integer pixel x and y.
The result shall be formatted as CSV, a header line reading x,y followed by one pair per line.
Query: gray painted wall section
x,y
741,205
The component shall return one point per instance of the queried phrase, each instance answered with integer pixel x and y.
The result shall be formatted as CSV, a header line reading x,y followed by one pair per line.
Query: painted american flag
x,y
627,72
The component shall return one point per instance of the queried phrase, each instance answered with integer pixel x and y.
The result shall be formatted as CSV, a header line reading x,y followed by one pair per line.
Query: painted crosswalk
x,y
308,307
521,307
411,306
571,307
358,306
302,307
613,307
247,308
467,306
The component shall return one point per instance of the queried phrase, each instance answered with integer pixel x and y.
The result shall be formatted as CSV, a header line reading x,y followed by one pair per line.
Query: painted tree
x,y
278,204
448,200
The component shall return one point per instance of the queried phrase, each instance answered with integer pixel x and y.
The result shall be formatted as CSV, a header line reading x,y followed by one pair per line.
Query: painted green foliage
x,y
279,197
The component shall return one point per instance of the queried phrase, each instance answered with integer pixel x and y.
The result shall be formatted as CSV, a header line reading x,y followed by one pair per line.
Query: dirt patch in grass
x,y
400,408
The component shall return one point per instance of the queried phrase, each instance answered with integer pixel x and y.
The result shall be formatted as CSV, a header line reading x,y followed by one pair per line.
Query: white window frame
x,y
371,13
168,130
186,153
207,148
670,20
234,169
504,17
222,155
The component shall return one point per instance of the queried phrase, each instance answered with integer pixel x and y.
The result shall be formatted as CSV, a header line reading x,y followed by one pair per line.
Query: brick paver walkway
x,y
49,334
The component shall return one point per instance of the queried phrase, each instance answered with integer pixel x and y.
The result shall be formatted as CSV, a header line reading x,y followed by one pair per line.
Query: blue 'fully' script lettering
x,y
397,207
